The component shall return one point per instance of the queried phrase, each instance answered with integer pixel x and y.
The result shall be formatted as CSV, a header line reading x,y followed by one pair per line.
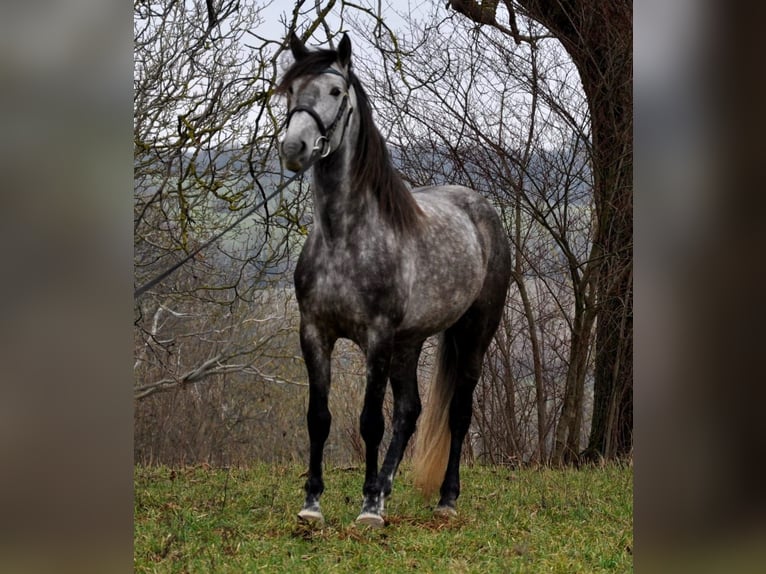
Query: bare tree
x,y
205,128
599,38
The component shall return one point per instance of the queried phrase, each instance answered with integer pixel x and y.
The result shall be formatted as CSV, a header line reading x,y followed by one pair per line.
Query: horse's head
x,y
320,102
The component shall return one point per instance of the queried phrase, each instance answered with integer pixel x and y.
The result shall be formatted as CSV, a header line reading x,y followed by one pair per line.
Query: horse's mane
x,y
371,165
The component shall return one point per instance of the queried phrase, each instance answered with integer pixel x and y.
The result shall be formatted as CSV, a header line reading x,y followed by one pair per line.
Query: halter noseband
x,y
322,143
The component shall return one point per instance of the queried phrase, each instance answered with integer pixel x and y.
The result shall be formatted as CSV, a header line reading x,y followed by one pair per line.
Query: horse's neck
x,y
340,211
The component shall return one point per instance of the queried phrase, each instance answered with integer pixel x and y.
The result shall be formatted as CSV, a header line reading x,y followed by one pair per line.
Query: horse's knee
x,y
371,426
409,417
318,420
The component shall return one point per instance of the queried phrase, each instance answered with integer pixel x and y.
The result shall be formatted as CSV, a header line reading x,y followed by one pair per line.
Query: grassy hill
x,y
243,520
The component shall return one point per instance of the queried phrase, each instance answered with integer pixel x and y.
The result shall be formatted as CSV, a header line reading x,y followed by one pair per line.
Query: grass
x,y
244,520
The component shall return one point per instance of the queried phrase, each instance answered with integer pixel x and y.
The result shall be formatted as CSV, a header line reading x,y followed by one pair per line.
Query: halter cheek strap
x,y
322,143
313,114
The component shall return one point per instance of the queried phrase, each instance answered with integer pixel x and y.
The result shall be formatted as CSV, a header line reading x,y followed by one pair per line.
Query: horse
x,y
387,267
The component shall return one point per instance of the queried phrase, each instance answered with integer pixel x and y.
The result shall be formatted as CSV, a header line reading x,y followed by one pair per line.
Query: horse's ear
x,y
344,51
297,47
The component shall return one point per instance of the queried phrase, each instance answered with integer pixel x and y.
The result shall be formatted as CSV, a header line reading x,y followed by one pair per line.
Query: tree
x,y
599,38
204,152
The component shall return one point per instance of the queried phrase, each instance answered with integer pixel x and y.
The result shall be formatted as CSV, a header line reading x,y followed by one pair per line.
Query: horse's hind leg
x,y
460,411
471,336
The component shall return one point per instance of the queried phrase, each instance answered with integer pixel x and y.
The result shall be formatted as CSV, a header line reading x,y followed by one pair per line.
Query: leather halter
x,y
322,143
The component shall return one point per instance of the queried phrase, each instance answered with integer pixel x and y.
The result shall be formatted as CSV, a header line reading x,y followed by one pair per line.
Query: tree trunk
x,y
567,443
598,36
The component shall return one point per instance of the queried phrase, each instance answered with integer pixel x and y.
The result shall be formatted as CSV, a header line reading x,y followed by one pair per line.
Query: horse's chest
x,y
335,289
345,290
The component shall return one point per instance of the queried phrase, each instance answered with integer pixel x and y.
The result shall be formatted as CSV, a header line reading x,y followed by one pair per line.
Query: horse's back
x,y
468,203
464,199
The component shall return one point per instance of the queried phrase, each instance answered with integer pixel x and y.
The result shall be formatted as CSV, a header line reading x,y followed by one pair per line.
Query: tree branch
x,y
486,13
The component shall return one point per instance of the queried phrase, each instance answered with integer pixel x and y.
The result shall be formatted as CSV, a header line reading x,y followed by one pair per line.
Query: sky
x,y
279,11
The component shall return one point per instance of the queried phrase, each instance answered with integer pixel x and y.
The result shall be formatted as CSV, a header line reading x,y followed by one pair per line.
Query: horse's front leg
x,y
317,349
372,425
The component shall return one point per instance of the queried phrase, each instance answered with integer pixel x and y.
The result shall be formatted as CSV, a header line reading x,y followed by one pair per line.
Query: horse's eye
x,y
335,92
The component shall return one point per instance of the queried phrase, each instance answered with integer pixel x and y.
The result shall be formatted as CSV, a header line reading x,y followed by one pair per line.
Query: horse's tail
x,y
433,438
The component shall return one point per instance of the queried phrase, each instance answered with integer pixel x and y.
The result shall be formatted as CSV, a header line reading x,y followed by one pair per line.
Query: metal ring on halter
x,y
322,144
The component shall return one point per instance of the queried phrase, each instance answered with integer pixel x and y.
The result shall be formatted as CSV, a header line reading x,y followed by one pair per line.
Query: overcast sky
x,y
278,11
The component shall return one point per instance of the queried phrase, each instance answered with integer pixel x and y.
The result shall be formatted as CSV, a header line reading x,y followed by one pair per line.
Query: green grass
x,y
244,520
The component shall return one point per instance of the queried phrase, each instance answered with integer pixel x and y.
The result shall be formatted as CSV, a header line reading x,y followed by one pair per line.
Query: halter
x,y
322,143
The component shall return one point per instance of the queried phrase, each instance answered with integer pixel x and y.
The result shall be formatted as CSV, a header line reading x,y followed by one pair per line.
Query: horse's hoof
x,y
446,512
310,516
370,519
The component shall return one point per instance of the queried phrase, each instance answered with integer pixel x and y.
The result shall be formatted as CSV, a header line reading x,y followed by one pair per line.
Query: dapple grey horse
x,y
386,267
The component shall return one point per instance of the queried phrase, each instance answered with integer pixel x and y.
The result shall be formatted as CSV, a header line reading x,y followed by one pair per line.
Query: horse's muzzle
x,y
294,154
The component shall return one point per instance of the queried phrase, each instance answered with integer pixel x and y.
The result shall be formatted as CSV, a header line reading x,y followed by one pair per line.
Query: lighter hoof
x,y
311,516
446,512
371,520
